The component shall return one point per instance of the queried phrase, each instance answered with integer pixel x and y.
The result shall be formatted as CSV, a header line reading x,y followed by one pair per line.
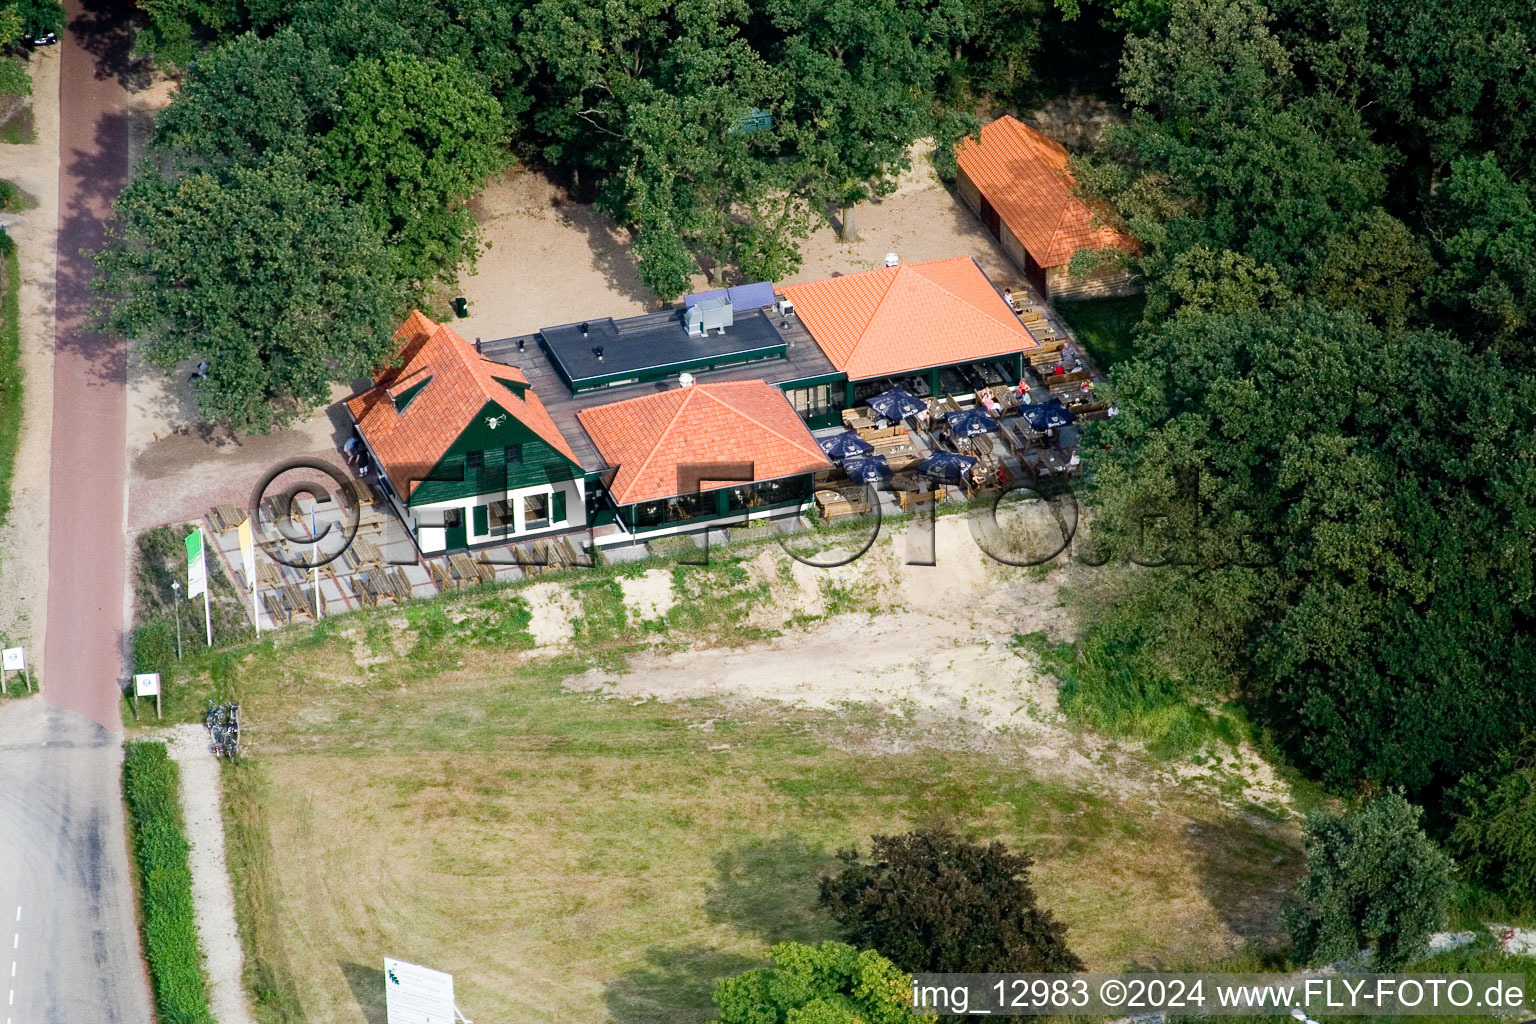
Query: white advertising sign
x,y
14,659
147,685
417,995
197,570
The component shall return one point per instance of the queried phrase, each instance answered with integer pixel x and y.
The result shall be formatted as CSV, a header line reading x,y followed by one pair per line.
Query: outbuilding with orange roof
x,y
1021,186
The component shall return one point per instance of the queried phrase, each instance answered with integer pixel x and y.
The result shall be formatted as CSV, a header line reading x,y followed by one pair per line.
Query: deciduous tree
x,y
933,901
414,139
1374,881
265,273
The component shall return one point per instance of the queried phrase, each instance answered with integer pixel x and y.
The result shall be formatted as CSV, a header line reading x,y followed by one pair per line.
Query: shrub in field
x,y
828,983
934,901
165,879
1374,881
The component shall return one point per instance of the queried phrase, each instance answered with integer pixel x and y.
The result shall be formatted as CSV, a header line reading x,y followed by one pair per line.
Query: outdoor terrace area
x,y
982,434
380,565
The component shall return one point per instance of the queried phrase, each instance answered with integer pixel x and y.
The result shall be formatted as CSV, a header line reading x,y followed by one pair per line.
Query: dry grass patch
x,y
422,784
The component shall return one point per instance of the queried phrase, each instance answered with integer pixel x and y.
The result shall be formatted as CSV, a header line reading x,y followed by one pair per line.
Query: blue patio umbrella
x,y
1047,415
970,422
868,470
896,404
845,445
945,465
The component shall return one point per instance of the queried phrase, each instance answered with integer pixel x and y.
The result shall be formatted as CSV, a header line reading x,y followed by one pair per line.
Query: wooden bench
x,y
1092,411
277,608
399,584
908,498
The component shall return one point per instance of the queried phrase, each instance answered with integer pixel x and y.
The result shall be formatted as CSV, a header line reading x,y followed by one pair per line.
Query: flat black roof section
x,y
803,360
653,346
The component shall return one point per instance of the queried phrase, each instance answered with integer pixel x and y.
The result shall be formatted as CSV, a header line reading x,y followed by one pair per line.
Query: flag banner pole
x,y
207,617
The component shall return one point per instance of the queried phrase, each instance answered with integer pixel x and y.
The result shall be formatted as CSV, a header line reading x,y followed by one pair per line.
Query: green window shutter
x,y
557,507
482,520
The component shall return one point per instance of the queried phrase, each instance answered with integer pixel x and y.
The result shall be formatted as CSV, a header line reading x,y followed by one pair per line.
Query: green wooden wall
x,y
541,463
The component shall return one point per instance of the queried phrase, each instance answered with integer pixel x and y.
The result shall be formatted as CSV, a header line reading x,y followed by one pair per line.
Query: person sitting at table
x,y
1021,389
1059,370
988,402
1002,475
1008,298
978,476
1068,355
1074,461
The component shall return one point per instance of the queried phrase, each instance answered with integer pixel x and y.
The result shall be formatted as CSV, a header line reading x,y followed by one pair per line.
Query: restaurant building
x,y
671,421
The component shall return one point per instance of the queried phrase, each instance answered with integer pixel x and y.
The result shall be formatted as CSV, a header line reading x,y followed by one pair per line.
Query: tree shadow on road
x,y
101,172
106,30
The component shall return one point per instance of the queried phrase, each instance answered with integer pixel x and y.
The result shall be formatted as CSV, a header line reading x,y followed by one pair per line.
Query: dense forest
x,y
1332,389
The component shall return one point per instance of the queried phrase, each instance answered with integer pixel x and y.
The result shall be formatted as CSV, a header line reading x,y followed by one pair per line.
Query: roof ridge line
x,y
962,299
875,309
754,420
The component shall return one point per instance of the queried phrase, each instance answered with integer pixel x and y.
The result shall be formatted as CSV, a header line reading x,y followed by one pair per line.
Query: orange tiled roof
x,y
894,320
1024,175
458,384
652,439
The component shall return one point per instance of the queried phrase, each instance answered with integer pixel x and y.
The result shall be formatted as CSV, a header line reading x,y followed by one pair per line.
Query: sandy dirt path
x,y
24,561
552,261
201,798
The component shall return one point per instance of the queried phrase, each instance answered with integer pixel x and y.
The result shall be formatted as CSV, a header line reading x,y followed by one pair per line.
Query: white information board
x,y
146,685
417,995
13,659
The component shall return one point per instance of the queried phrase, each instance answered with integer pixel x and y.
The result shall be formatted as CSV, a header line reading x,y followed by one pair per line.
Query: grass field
x,y
1106,327
420,784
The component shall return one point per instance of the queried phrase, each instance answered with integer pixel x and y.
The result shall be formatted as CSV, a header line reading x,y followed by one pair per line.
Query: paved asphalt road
x,y
69,946
69,950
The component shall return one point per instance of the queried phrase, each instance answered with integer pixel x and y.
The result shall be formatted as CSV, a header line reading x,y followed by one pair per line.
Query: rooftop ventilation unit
x,y
685,380
709,315
891,259
784,306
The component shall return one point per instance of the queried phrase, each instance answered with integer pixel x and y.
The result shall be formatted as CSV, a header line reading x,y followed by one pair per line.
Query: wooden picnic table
x,y
856,419
834,504
267,574
357,494
363,589
464,568
366,552
226,517
298,599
